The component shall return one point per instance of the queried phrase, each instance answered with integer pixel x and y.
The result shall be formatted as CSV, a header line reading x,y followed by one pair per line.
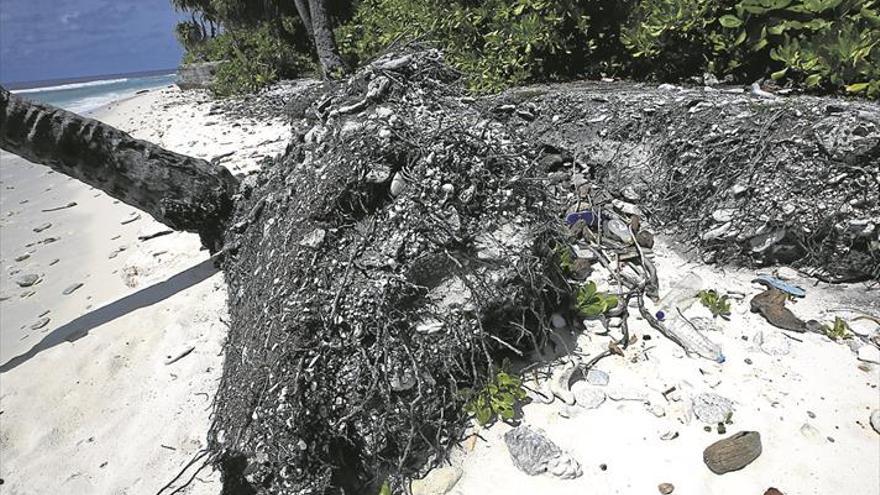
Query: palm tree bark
x,y
302,8
182,192
325,43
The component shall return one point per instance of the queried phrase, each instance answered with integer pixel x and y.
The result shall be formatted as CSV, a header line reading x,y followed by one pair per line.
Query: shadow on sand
x,y
81,326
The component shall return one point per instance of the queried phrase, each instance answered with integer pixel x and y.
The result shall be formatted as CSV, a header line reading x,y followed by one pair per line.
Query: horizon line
x,y
11,85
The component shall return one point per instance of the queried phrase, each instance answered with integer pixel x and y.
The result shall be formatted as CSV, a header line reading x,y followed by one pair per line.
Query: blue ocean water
x,y
82,96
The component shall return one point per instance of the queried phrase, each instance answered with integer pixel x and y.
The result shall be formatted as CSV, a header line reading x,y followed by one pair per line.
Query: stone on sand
x,y
533,453
587,396
712,408
27,279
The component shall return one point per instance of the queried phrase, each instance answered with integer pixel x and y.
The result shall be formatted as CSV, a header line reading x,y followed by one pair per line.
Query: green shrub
x,y
828,44
673,39
497,399
495,43
252,58
821,44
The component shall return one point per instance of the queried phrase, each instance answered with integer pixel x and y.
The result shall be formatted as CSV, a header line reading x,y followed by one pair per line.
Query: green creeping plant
x,y
497,399
717,304
590,302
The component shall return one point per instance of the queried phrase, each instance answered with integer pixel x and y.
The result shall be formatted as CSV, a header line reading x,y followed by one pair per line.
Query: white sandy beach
x,y
106,414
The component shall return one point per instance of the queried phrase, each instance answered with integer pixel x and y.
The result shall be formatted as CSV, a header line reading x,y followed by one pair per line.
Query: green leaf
x,y
386,489
813,80
730,21
484,415
611,302
594,309
857,87
778,74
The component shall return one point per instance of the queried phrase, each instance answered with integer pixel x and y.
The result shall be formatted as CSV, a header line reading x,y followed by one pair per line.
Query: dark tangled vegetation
x,y
376,271
819,45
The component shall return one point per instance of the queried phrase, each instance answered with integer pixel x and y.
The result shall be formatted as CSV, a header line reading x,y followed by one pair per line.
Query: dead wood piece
x,y
771,305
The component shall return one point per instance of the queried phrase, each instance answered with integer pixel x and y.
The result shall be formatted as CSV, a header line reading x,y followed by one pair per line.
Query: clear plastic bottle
x,y
682,294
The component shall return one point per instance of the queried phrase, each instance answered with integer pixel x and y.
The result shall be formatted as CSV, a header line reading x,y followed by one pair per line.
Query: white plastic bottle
x,y
681,295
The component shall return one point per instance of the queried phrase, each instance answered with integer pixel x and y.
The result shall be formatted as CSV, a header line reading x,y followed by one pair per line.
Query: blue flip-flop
x,y
771,281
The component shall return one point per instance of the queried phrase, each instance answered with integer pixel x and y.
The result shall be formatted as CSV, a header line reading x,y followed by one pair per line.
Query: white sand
x,y
818,384
105,414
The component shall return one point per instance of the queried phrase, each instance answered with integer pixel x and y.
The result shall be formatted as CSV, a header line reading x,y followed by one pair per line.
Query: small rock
x,y
717,232
71,288
630,194
597,377
773,491
437,482
23,257
723,215
533,453
875,420
314,239
733,453
42,227
666,488
557,321
587,397
863,327
645,239
398,184
669,435
712,408
27,279
869,354
626,208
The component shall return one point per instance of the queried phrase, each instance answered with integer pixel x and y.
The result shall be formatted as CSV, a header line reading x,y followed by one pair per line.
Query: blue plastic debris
x,y
771,281
660,316
589,217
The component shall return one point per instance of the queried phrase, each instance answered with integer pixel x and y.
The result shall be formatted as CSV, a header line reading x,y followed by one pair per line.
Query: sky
x,y
56,39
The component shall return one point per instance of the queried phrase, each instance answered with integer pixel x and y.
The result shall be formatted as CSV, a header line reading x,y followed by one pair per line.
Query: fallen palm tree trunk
x,y
182,192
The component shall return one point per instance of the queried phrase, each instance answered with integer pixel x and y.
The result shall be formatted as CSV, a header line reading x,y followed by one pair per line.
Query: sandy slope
x,y
106,414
